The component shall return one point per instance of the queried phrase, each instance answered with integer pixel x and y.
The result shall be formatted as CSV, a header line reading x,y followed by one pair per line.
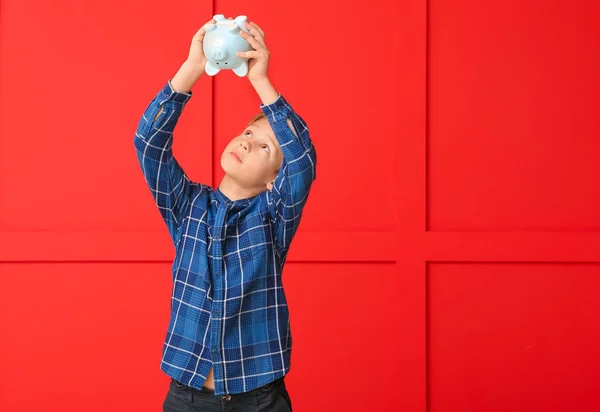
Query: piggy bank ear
x,y
241,22
209,27
210,69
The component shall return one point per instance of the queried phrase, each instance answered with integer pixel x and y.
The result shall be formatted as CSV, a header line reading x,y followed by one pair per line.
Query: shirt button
x,y
218,275
214,350
227,397
217,313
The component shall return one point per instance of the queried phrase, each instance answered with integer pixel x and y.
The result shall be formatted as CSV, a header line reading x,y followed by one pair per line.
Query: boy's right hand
x,y
196,55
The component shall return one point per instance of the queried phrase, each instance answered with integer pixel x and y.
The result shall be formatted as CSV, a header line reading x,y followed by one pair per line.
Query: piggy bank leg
x,y
242,69
210,69
218,17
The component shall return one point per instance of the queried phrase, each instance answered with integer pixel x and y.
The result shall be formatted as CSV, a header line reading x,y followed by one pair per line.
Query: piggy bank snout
x,y
219,54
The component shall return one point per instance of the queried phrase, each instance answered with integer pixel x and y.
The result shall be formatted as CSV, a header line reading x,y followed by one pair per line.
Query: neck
x,y
234,191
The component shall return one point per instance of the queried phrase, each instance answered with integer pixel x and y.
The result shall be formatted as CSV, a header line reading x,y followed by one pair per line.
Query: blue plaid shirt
x,y
228,306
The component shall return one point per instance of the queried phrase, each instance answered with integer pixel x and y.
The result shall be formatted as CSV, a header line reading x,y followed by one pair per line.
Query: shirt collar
x,y
224,199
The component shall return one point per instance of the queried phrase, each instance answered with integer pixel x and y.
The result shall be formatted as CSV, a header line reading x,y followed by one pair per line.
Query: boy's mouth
x,y
236,156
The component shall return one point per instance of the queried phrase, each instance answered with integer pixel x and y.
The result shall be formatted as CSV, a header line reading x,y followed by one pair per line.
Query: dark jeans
x,y
272,397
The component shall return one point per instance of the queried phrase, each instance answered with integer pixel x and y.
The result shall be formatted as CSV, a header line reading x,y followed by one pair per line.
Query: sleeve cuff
x,y
168,93
277,108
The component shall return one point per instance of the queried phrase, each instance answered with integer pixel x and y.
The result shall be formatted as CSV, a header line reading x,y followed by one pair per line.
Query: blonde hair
x,y
256,118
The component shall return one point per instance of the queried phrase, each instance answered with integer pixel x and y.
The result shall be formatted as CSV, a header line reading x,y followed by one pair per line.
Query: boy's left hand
x,y
259,57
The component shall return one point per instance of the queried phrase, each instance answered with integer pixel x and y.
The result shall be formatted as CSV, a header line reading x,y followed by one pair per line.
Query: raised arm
x,y
153,140
298,171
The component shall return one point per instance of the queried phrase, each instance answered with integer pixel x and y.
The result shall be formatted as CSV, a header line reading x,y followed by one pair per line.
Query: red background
x,y
448,255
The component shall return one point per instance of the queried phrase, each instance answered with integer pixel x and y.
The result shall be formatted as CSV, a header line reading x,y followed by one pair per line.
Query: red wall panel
x,y
82,336
512,115
76,77
513,336
345,343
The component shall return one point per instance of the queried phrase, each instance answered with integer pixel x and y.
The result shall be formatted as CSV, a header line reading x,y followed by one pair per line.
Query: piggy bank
x,y
221,43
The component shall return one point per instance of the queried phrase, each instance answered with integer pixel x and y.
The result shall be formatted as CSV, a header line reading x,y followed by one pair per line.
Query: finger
x,y
200,33
249,54
262,32
250,38
256,45
257,35
199,36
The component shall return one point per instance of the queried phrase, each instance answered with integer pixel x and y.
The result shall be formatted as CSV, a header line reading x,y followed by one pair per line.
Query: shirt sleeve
x,y
153,140
298,171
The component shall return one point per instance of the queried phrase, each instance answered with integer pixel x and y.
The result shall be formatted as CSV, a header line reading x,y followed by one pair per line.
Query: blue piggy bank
x,y
221,43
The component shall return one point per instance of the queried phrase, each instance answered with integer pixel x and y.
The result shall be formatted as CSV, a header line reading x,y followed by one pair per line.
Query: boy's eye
x,y
264,146
248,131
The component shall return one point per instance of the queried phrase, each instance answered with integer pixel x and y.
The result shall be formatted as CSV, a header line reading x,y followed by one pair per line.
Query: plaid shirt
x,y
228,306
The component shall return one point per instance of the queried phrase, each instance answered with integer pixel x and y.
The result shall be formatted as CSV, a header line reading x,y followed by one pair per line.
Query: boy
x,y
228,345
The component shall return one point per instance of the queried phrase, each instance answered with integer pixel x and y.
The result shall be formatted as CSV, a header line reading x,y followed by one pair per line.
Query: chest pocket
x,y
251,236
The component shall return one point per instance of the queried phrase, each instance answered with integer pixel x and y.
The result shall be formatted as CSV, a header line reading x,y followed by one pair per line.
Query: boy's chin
x,y
228,167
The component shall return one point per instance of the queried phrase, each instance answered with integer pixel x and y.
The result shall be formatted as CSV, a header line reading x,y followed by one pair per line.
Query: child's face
x,y
253,158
